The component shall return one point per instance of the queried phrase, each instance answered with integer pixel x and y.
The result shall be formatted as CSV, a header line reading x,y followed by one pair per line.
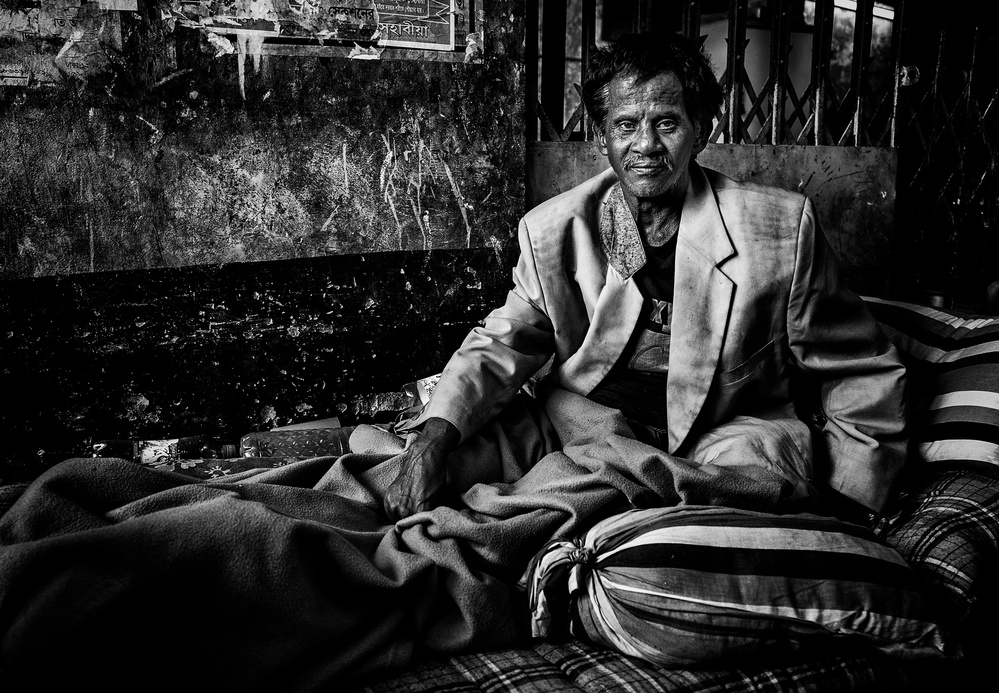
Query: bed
x,y
237,594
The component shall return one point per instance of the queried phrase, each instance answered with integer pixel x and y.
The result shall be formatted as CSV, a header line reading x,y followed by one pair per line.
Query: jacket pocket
x,y
745,369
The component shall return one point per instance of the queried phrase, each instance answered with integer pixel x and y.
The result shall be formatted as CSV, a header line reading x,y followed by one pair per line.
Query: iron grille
x,y
850,50
949,153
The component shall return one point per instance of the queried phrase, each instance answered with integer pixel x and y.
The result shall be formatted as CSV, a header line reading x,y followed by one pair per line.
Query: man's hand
x,y
422,480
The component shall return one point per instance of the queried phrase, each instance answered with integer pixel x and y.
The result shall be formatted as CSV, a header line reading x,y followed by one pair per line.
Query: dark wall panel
x,y
155,148
195,241
226,349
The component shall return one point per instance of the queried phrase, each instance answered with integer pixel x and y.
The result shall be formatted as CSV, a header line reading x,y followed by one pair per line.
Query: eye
x,y
624,125
668,125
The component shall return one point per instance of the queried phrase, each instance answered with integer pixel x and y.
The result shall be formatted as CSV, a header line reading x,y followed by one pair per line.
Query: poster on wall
x,y
294,27
47,41
426,24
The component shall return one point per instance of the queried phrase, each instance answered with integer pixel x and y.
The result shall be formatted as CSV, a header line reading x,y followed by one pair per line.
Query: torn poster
x,y
427,24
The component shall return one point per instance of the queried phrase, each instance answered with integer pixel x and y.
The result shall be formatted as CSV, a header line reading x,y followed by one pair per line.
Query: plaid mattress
x,y
948,530
579,666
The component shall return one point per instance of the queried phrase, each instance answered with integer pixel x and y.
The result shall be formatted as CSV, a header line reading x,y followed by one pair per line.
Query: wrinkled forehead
x,y
626,90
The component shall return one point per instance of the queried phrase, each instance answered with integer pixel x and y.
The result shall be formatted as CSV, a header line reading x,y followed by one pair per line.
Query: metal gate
x,y
828,77
826,74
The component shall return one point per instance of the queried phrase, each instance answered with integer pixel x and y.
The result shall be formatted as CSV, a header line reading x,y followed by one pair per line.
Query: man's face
x,y
648,136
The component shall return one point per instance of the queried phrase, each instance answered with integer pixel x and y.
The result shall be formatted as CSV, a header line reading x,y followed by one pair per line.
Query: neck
x,y
657,218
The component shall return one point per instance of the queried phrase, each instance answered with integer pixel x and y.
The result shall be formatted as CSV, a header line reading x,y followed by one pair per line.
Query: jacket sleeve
x,y
836,341
496,358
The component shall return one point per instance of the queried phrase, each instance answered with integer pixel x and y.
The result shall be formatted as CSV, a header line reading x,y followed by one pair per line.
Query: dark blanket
x,y
292,579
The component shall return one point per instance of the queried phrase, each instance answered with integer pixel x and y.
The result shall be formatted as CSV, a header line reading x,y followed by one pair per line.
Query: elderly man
x,y
687,305
681,297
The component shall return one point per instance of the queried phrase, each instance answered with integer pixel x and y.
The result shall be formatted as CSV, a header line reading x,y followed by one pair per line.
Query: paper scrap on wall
x,y
427,24
56,39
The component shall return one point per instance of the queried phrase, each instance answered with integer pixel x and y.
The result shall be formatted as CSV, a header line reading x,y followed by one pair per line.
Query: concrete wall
x,y
201,241
150,141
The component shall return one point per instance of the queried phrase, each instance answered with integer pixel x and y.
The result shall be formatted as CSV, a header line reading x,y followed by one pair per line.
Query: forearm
x,y
863,401
837,343
438,435
497,357
490,366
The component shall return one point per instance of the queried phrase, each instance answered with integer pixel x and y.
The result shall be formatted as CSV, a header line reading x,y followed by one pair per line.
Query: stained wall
x,y
203,241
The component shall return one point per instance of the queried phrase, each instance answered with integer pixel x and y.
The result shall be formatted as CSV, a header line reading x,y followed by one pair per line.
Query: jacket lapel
x,y
620,236
702,299
619,305
614,318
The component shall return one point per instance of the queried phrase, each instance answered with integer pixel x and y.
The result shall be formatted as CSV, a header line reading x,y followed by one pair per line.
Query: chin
x,y
647,188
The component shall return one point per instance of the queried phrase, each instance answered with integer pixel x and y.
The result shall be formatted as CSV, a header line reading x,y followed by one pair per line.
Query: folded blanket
x,y
290,579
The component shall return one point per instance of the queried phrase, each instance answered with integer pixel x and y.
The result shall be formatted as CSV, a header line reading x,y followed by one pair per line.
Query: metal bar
x,y
841,142
940,128
883,135
574,120
532,31
553,60
780,47
692,19
797,107
761,137
643,21
821,57
549,132
896,65
806,129
863,29
756,110
934,102
968,97
935,91
736,67
982,119
588,42
721,127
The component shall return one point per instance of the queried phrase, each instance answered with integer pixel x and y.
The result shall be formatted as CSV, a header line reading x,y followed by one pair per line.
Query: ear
x,y
701,133
601,139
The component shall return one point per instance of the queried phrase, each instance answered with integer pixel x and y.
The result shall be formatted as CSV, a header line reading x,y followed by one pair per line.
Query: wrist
x,y
439,433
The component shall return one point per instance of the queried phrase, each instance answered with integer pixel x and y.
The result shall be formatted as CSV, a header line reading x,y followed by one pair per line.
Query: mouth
x,y
649,167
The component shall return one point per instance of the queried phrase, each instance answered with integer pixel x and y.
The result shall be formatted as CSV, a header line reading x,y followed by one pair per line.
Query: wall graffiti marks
x,y
420,178
387,184
170,163
462,205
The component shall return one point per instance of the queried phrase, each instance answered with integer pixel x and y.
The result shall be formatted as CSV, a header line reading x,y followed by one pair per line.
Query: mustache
x,y
647,161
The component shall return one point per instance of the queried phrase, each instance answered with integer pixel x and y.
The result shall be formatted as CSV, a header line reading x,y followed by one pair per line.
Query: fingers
x,y
419,486
401,503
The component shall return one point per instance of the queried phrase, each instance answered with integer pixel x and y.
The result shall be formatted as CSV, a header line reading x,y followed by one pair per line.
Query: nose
x,y
647,140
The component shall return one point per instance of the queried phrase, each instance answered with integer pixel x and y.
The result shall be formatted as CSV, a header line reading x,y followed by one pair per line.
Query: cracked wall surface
x,y
200,238
137,142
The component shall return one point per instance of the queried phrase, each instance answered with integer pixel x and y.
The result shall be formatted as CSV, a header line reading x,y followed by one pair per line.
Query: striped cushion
x,y
954,365
692,584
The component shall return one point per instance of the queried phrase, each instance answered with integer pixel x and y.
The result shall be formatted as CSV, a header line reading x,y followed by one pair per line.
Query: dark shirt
x,y
637,383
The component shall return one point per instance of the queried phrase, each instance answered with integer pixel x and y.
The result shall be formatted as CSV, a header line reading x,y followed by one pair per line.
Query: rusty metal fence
x,y
844,55
948,142
917,78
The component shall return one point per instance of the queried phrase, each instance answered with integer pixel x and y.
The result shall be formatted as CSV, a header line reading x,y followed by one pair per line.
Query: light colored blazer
x,y
759,317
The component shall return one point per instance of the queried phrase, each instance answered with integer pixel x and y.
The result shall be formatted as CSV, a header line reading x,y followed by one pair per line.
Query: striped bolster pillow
x,y
692,584
954,367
